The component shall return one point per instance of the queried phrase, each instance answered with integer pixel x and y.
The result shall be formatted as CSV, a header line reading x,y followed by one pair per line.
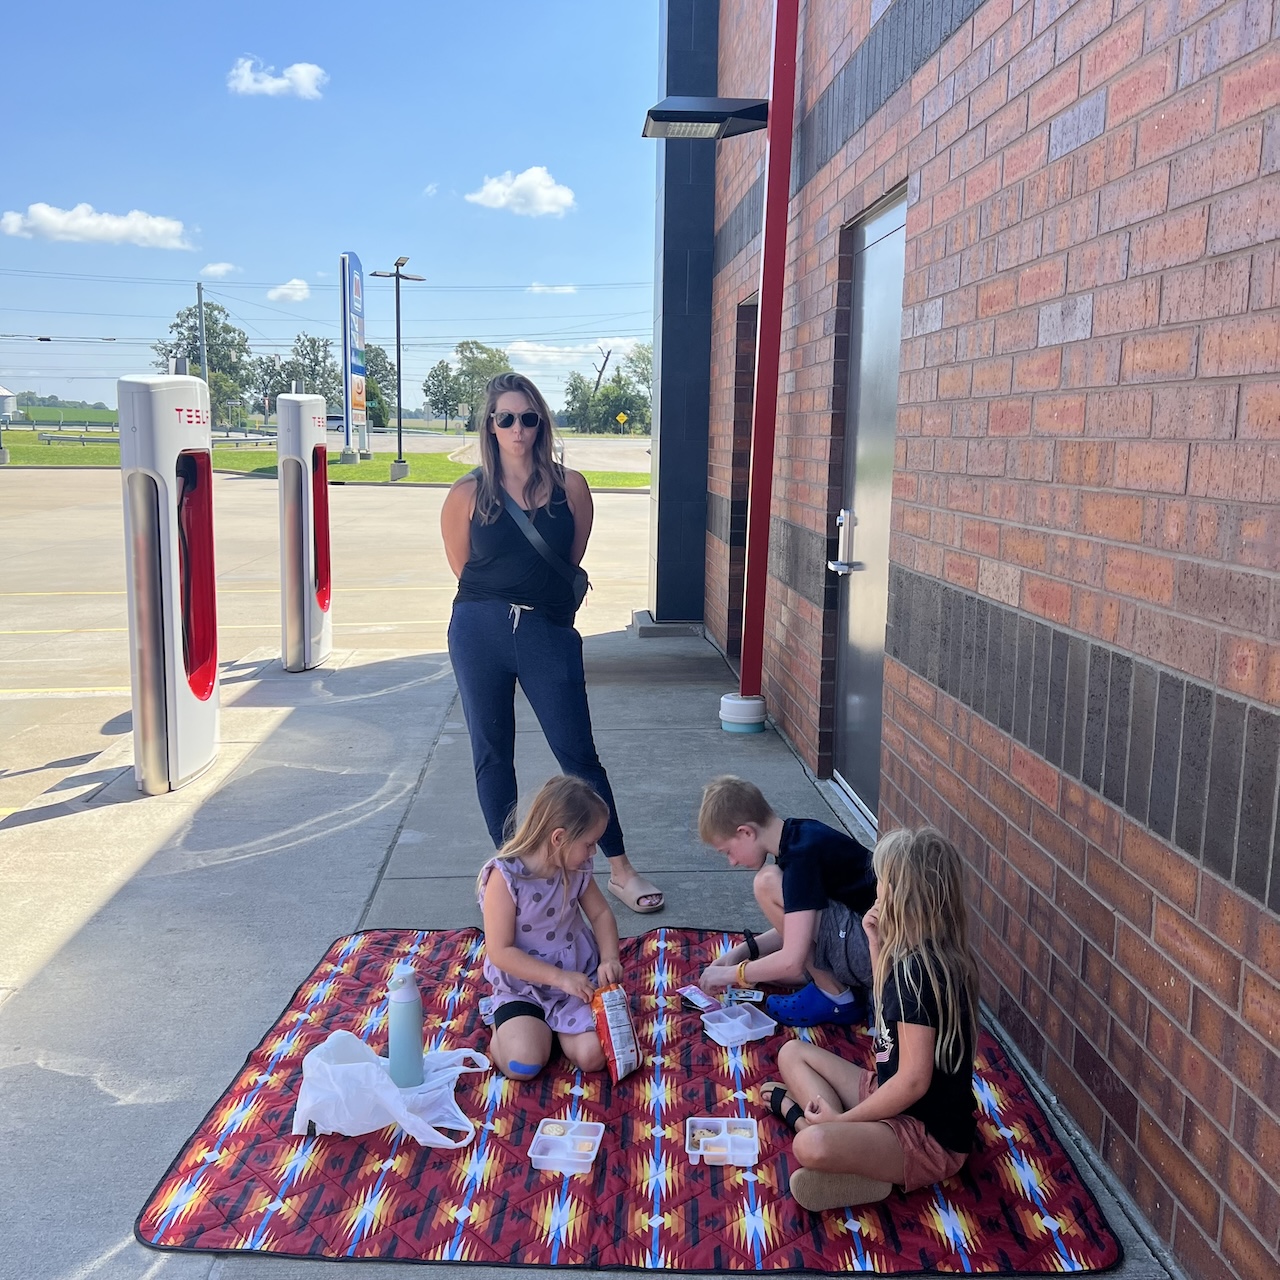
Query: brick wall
x,y
1089,451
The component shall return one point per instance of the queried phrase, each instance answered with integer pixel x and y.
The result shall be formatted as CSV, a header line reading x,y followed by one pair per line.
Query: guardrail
x,y
61,437
110,437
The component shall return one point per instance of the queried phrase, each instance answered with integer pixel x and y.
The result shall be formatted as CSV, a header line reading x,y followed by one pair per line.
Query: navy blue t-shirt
x,y
820,864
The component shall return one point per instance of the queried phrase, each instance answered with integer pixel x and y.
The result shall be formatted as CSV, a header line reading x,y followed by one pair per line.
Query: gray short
x,y
841,947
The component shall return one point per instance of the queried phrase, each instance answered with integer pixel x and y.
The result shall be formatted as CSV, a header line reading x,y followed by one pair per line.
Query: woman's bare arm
x,y
578,493
455,523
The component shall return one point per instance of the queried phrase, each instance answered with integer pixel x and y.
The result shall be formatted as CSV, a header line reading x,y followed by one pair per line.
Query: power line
x,y
186,283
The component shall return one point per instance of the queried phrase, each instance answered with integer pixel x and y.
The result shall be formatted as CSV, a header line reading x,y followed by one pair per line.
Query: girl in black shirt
x,y
911,1123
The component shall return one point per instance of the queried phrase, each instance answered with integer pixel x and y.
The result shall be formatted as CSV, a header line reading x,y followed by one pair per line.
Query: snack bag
x,y
698,998
612,1012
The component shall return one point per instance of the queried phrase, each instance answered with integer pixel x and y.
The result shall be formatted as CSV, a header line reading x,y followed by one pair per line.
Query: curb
x,y
371,484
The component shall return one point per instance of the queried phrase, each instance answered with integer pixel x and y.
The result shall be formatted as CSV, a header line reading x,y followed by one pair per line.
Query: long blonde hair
x,y
923,918
563,802
546,472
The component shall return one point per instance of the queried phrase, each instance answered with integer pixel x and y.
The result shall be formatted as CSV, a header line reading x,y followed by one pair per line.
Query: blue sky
x,y
280,135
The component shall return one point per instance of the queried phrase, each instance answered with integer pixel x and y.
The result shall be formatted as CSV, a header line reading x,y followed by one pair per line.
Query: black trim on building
x,y
689,49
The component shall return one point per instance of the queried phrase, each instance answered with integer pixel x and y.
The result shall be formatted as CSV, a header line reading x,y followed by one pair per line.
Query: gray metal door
x,y
863,522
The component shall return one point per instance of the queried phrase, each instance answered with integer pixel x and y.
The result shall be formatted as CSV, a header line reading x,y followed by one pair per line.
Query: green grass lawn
x,y
424,468
43,416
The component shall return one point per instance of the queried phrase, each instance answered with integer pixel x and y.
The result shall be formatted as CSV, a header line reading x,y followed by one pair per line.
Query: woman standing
x,y
513,614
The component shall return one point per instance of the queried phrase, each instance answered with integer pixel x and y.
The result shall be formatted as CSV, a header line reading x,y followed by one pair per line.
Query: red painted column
x,y
773,262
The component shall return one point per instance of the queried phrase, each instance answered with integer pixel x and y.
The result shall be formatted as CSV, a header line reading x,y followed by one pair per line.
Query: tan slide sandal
x,y
635,889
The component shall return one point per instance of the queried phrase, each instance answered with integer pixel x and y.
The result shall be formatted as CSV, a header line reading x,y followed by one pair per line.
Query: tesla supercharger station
x,y
306,624
167,472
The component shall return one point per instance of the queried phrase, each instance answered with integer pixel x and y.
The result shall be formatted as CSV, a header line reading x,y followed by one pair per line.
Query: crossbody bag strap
x,y
525,525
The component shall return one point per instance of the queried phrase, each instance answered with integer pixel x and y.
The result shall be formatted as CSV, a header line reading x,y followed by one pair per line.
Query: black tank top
x,y
505,566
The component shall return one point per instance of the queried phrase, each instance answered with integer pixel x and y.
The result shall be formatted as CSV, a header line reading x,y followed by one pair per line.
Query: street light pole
x,y
399,468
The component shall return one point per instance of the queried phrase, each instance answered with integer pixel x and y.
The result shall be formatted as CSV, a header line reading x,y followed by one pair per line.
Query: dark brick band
x,y
798,558
740,228
1194,766
727,519
910,33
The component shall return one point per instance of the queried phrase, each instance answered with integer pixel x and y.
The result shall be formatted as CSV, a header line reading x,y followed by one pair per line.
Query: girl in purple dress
x,y
542,957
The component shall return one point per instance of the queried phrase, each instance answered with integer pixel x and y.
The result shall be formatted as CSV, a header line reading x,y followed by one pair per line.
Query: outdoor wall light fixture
x,y
705,117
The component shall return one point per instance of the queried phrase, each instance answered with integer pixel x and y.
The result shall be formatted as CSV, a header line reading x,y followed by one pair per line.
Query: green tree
x,y
440,387
637,364
578,398
313,363
227,345
375,402
226,396
476,365
30,398
621,395
382,369
266,381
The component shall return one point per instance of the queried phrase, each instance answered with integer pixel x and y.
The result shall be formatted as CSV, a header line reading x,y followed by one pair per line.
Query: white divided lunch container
x,y
735,1024
722,1140
565,1146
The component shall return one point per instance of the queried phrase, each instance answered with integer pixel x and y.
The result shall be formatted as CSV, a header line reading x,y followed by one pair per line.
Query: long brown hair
x,y
563,802
546,472
923,917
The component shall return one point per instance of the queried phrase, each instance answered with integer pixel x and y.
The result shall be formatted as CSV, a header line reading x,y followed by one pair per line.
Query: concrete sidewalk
x,y
342,799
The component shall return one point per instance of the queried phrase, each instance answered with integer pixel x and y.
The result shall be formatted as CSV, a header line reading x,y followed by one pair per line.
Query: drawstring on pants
x,y
516,611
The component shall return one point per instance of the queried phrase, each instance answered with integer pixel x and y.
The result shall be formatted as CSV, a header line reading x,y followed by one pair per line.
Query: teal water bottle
x,y
404,1029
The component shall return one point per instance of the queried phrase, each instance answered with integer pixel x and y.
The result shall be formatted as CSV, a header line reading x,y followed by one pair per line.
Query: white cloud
x,y
84,223
578,355
533,193
218,270
431,188
302,79
295,290
535,287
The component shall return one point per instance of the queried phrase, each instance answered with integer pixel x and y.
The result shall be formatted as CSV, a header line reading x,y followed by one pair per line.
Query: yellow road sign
x,y
620,419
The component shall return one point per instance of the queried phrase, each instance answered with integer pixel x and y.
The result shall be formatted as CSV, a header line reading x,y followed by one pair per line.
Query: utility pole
x,y
204,354
399,468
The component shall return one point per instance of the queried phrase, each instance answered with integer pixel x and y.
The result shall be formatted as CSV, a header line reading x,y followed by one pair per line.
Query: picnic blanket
x,y
243,1183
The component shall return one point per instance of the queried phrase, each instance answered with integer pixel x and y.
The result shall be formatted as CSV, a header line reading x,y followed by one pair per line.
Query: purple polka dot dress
x,y
550,926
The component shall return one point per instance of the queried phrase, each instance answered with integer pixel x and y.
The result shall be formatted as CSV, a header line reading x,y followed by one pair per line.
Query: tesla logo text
x,y
193,417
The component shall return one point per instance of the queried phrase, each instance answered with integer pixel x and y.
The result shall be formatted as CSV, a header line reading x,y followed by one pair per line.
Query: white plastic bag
x,y
347,1089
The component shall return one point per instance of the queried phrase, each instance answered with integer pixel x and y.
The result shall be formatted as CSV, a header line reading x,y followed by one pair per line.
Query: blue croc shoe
x,y
811,1007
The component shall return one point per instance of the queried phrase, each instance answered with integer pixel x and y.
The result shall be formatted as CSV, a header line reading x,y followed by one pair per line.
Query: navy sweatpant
x,y
491,649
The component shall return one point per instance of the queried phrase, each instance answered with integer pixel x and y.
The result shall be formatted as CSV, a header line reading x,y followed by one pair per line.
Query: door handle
x,y
845,522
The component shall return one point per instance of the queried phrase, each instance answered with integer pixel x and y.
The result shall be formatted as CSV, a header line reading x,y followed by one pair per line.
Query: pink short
x,y
924,1159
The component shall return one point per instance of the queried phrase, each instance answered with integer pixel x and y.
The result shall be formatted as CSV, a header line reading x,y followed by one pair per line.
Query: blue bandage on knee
x,y
526,1070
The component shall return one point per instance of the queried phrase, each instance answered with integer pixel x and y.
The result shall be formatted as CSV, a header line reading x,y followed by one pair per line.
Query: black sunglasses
x,y
530,418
